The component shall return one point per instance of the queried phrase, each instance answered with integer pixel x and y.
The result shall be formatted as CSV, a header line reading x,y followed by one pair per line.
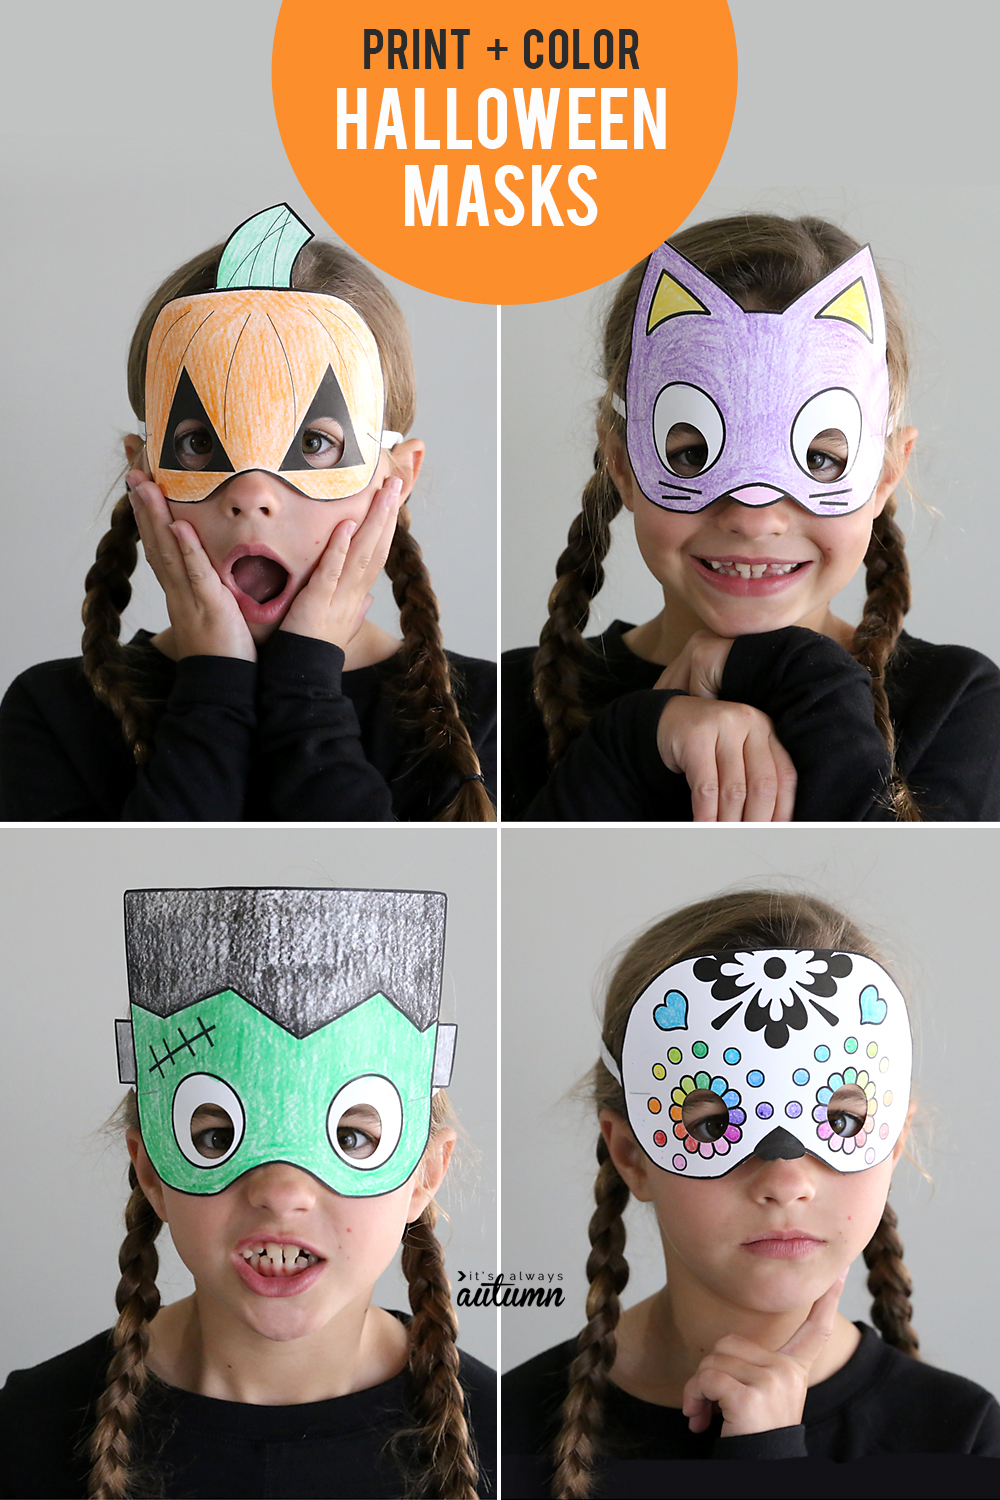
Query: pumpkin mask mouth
x,y
236,377
262,578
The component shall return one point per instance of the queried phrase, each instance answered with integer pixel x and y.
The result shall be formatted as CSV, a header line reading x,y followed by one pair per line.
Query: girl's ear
x,y
135,451
618,466
149,1179
406,459
894,466
630,1160
900,1145
430,1174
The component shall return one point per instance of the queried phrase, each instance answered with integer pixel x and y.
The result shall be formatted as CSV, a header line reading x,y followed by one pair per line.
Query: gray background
x,y
63,983
927,897
133,134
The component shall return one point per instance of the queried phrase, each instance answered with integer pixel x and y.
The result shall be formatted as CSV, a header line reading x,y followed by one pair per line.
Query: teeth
x,y
750,570
276,1260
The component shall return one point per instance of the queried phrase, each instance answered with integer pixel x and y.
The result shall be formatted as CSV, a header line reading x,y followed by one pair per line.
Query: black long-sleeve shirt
x,y
879,1408
200,1446
290,738
944,702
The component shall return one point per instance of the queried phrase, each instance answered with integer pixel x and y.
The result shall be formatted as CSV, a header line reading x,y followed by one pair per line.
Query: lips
x,y
261,582
784,1244
274,1265
750,577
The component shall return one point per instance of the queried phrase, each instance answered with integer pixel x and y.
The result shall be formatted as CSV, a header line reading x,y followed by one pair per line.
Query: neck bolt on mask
x,y
769,1053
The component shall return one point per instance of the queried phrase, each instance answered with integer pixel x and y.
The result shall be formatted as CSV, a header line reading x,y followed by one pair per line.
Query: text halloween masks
x,y
770,1053
749,406
285,1025
252,374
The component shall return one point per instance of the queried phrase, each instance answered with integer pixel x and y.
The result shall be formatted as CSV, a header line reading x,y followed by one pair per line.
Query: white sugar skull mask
x,y
771,1053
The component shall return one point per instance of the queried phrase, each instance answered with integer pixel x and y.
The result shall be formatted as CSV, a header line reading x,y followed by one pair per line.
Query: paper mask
x,y
771,1054
295,1012
758,388
235,376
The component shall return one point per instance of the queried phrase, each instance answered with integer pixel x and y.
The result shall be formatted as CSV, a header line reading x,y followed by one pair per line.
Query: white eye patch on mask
x,y
768,1053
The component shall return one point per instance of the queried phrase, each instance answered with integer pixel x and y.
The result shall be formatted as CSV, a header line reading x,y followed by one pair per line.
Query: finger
x,y
708,1385
732,776
809,1338
761,777
379,528
330,567
784,806
194,559
702,771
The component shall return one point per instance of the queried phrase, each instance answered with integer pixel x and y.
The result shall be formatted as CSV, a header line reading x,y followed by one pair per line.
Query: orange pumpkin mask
x,y
236,377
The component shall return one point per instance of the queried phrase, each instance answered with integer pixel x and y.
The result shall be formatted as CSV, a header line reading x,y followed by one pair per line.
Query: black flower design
x,y
776,984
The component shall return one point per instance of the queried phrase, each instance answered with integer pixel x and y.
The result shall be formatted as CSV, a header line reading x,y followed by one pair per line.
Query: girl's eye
x,y
687,451
704,1115
323,446
213,1142
688,430
847,1110
826,458
193,445
826,433
357,1142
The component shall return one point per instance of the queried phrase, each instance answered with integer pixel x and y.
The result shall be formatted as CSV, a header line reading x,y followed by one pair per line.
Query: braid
x,y
427,690
562,652
890,1285
607,1272
138,1301
105,665
448,1469
887,577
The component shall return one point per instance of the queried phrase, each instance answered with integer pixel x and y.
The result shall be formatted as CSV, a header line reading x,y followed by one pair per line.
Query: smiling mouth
x,y
260,578
750,569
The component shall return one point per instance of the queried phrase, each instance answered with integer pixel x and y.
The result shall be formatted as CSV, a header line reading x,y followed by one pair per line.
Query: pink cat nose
x,y
756,494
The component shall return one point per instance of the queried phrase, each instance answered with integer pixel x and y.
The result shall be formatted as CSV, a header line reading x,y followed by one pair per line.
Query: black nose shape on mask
x,y
779,1145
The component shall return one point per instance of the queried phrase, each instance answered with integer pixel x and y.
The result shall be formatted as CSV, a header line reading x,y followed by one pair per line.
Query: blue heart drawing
x,y
873,1007
672,1015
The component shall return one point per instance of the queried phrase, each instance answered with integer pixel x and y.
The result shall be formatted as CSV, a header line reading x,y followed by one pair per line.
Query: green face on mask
x,y
222,1089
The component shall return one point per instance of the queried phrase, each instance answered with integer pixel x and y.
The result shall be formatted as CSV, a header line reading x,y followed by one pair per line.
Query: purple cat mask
x,y
758,386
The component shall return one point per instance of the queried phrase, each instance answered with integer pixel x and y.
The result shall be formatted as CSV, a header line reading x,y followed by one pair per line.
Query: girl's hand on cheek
x,y
757,1389
699,667
204,615
736,768
334,602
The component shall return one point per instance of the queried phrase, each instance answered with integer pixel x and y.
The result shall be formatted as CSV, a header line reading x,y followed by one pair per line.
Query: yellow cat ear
x,y
851,306
670,299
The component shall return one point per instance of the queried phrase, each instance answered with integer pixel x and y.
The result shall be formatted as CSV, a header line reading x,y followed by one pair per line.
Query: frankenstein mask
x,y
254,375
757,406
285,1025
771,1054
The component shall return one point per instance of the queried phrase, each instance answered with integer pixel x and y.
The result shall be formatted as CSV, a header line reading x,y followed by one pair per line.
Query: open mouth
x,y
261,578
279,1260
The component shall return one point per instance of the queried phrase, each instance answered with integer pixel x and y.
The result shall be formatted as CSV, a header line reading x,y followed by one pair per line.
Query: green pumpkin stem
x,y
262,251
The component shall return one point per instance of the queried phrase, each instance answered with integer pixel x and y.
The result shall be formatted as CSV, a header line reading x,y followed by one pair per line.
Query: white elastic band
x,y
610,1063
390,439
618,404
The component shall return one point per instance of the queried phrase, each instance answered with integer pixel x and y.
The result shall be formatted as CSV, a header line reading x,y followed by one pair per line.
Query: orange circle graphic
x,y
509,161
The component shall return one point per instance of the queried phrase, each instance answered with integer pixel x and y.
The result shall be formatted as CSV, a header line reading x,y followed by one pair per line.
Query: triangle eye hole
x,y
327,402
187,405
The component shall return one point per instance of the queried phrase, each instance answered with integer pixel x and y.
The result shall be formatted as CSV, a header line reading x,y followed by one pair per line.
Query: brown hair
x,y
425,689
771,261
743,919
440,1447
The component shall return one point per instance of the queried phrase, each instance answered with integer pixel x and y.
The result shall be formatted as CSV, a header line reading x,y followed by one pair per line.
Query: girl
x,y
276,1376
767,1175
269,696
746,698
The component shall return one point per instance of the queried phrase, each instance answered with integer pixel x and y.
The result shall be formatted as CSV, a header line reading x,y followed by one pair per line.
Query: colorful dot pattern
x,y
659,1071
800,1077
731,1056
730,1098
822,1054
700,1049
675,1055
755,1078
